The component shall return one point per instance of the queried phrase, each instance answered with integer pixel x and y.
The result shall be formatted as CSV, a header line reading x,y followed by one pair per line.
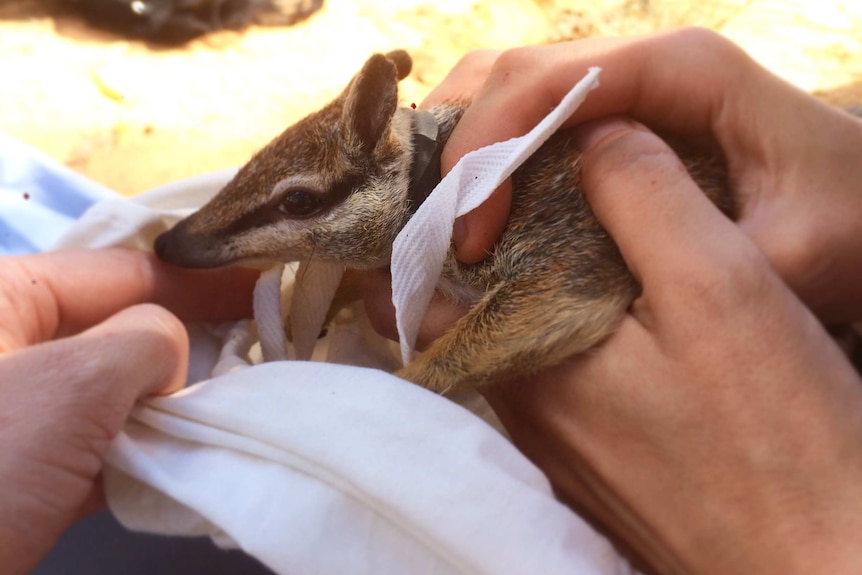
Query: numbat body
x,y
341,183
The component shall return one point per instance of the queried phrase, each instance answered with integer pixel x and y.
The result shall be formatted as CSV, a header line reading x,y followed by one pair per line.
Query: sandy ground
x,y
133,116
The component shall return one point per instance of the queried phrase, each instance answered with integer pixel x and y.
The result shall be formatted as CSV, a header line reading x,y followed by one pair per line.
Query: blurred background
x,y
138,93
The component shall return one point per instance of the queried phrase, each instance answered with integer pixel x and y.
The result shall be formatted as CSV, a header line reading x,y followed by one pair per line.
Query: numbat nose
x,y
173,248
180,248
162,246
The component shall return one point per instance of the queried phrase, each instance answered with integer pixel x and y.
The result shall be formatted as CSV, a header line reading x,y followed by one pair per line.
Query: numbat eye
x,y
299,203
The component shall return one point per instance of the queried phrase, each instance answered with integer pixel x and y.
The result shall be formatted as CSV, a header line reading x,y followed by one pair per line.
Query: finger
x,y
139,351
61,293
98,374
376,287
526,83
636,81
663,224
80,389
477,231
79,392
464,80
156,346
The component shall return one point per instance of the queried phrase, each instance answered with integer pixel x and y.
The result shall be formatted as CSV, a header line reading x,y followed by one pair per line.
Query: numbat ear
x,y
372,96
403,62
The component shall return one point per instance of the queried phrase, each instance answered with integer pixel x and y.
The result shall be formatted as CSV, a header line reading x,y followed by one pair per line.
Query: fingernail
x,y
589,134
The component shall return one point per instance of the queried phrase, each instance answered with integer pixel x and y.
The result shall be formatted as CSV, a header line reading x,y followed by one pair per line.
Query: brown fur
x,y
554,286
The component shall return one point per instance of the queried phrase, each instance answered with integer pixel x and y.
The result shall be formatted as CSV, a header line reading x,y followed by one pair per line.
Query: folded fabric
x,y
319,468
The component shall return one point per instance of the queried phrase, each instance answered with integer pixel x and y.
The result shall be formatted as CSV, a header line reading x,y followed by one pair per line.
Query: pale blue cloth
x,y
39,198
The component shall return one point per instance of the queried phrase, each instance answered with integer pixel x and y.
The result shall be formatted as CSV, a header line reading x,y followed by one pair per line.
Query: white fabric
x,y
321,468
420,249
312,293
267,314
318,468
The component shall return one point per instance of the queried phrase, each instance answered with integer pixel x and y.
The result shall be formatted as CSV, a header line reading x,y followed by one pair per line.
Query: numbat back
x,y
341,183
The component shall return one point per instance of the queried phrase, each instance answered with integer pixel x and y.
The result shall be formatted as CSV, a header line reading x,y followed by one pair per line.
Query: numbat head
x,y
340,184
334,186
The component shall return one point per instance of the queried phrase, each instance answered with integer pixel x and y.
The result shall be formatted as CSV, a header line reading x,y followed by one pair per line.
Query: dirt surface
x,y
133,116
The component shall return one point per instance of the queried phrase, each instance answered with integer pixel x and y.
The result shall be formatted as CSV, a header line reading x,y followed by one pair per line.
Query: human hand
x,y
794,162
719,430
84,335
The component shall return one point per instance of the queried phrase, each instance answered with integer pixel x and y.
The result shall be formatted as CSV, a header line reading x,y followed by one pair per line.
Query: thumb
x,y
95,377
63,403
642,194
139,351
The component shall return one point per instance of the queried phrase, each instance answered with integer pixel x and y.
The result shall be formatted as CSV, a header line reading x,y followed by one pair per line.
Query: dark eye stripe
x,y
299,203
271,211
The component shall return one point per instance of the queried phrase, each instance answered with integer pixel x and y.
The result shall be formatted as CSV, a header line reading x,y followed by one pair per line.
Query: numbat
x,y
341,183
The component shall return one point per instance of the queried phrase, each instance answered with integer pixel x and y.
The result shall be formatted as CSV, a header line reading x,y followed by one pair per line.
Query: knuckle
x,y
477,61
160,347
513,60
151,341
714,50
794,251
161,328
736,277
699,37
